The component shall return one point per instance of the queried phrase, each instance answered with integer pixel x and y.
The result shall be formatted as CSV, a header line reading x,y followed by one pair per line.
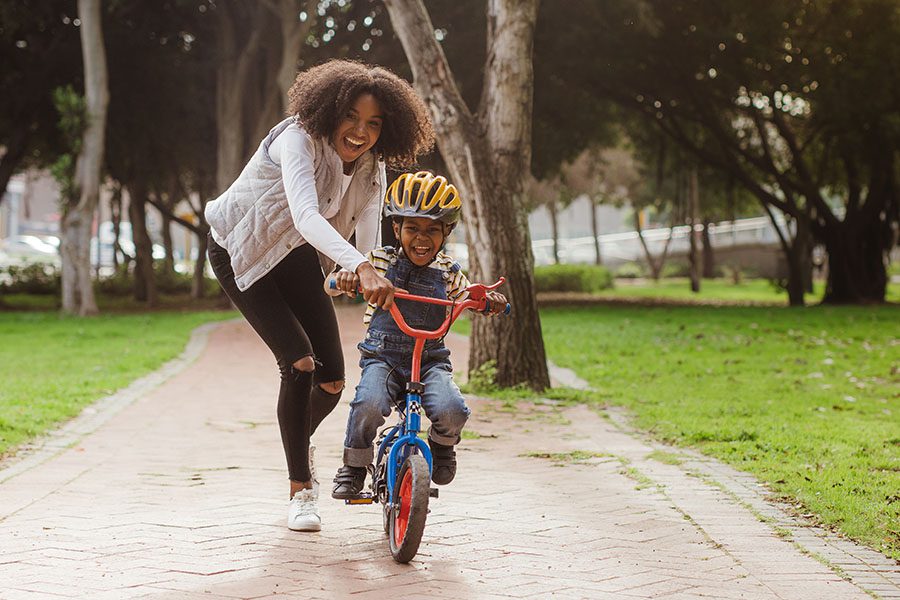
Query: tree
x,y
781,97
488,154
78,211
553,195
258,47
29,33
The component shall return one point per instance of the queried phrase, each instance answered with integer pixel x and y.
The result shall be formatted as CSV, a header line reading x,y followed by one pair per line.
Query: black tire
x,y
386,517
409,507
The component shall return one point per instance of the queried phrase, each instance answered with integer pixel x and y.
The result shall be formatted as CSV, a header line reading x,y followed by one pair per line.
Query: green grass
x,y
51,366
805,399
715,290
712,291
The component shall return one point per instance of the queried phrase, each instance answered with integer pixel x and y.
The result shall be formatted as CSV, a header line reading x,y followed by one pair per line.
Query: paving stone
x,y
178,492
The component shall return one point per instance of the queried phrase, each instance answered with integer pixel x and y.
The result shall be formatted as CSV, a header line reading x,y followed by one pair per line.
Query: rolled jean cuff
x,y
359,457
443,440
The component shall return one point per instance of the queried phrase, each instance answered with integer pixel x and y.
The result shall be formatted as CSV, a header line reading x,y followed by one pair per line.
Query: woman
x,y
317,178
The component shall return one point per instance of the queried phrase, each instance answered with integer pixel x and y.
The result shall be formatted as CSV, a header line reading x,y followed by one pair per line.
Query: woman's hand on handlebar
x,y
376,289
346,282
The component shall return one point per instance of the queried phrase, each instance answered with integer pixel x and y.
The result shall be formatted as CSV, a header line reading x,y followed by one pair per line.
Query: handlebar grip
x,y
487,308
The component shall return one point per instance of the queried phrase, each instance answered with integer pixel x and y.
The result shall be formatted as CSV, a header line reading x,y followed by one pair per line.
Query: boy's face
x,y
420,238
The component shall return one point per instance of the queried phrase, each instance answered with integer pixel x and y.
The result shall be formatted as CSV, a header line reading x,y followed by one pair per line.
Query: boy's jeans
x,y
443,403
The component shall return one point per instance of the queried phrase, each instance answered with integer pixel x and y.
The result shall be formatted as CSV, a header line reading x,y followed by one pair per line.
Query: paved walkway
x,y
179,492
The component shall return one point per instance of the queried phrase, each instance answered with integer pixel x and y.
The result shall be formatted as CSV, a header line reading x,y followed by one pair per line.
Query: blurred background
x,y
678,138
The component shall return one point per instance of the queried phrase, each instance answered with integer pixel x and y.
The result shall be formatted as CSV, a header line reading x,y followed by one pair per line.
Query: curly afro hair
x,y
322,94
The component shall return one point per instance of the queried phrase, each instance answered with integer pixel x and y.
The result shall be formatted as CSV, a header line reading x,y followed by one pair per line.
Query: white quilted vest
x,y
252,220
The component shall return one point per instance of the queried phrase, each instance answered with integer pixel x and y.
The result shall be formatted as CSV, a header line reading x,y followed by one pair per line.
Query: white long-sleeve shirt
x,y
293,151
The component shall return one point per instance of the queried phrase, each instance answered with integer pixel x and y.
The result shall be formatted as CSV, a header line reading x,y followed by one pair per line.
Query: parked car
x,y
19,249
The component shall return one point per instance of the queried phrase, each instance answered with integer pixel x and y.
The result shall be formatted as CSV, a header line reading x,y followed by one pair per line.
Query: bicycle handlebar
x,y
477,300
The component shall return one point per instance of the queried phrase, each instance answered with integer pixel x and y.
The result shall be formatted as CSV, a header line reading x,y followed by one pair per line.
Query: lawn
x,y
51,366
805,399
715,290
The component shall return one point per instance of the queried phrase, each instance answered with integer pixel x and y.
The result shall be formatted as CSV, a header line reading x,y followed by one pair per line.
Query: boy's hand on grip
x,y
496,303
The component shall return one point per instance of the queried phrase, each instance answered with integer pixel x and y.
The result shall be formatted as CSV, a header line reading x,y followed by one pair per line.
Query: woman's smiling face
x,y
358,129
421,238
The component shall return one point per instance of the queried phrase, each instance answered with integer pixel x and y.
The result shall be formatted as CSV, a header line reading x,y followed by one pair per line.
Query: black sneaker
x,y
443,460
348,482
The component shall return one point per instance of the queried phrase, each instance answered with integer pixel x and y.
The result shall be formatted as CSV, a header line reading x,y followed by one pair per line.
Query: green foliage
x,y
676,268
483,382
631,270
802,398
121,283
572,278
34,278
53,366
72,109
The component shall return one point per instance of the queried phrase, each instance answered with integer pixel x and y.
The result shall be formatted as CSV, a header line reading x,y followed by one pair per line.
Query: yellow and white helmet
x,y
423,194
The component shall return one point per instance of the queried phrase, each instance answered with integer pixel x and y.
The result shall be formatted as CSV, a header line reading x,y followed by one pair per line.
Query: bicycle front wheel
x,y
409,508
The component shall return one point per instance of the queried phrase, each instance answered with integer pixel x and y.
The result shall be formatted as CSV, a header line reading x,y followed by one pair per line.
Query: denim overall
x,y
386,361
385,341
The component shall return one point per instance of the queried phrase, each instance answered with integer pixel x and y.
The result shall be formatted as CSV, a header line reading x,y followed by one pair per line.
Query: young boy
x,y
424,208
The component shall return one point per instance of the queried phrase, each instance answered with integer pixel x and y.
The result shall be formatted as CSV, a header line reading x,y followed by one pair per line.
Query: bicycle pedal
x,y
433,492
361,499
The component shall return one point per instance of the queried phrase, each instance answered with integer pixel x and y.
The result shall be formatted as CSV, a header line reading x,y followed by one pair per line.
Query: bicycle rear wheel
x,y
409,507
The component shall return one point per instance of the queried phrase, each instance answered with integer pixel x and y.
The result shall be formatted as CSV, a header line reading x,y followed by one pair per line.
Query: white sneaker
x,y
303,514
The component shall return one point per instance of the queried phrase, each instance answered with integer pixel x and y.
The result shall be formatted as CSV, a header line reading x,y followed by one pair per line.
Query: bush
x,y
676,268
35,278
631,270
572,278
121,284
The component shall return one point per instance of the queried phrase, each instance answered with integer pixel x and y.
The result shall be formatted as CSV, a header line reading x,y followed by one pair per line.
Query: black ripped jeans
x,y
295,318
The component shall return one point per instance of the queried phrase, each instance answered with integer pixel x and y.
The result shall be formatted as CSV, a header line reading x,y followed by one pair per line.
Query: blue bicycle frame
x,y
401,439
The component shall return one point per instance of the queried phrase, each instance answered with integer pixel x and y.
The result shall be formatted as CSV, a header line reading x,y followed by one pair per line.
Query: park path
x,y
180,493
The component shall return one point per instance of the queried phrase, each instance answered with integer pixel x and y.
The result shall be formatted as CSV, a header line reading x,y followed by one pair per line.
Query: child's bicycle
x,y
401,479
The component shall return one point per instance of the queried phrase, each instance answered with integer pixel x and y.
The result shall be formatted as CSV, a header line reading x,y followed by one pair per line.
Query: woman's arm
x,y
293,149
367,229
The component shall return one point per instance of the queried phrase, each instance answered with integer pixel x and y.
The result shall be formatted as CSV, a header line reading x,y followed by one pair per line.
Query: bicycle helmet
x,y
423,194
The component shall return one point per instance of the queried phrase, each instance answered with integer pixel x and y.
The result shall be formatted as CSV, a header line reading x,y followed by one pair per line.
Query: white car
x,y
20,249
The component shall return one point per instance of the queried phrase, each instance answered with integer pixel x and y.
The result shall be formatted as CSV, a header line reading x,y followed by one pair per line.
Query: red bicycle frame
x,y
477,299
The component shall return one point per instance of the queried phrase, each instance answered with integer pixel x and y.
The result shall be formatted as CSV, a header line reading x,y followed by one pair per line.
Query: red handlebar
x,y
477,299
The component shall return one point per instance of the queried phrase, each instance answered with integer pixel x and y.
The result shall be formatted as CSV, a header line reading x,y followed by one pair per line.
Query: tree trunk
x,y
115,211
75,257
694,222
166,234
598,258
488,156
78,291
293,35
857,272
709,257
15,146
554,230
655,266
237,58
198,289
144,281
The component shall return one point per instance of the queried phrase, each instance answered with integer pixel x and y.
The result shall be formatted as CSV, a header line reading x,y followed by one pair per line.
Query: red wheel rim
x,y
401,517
